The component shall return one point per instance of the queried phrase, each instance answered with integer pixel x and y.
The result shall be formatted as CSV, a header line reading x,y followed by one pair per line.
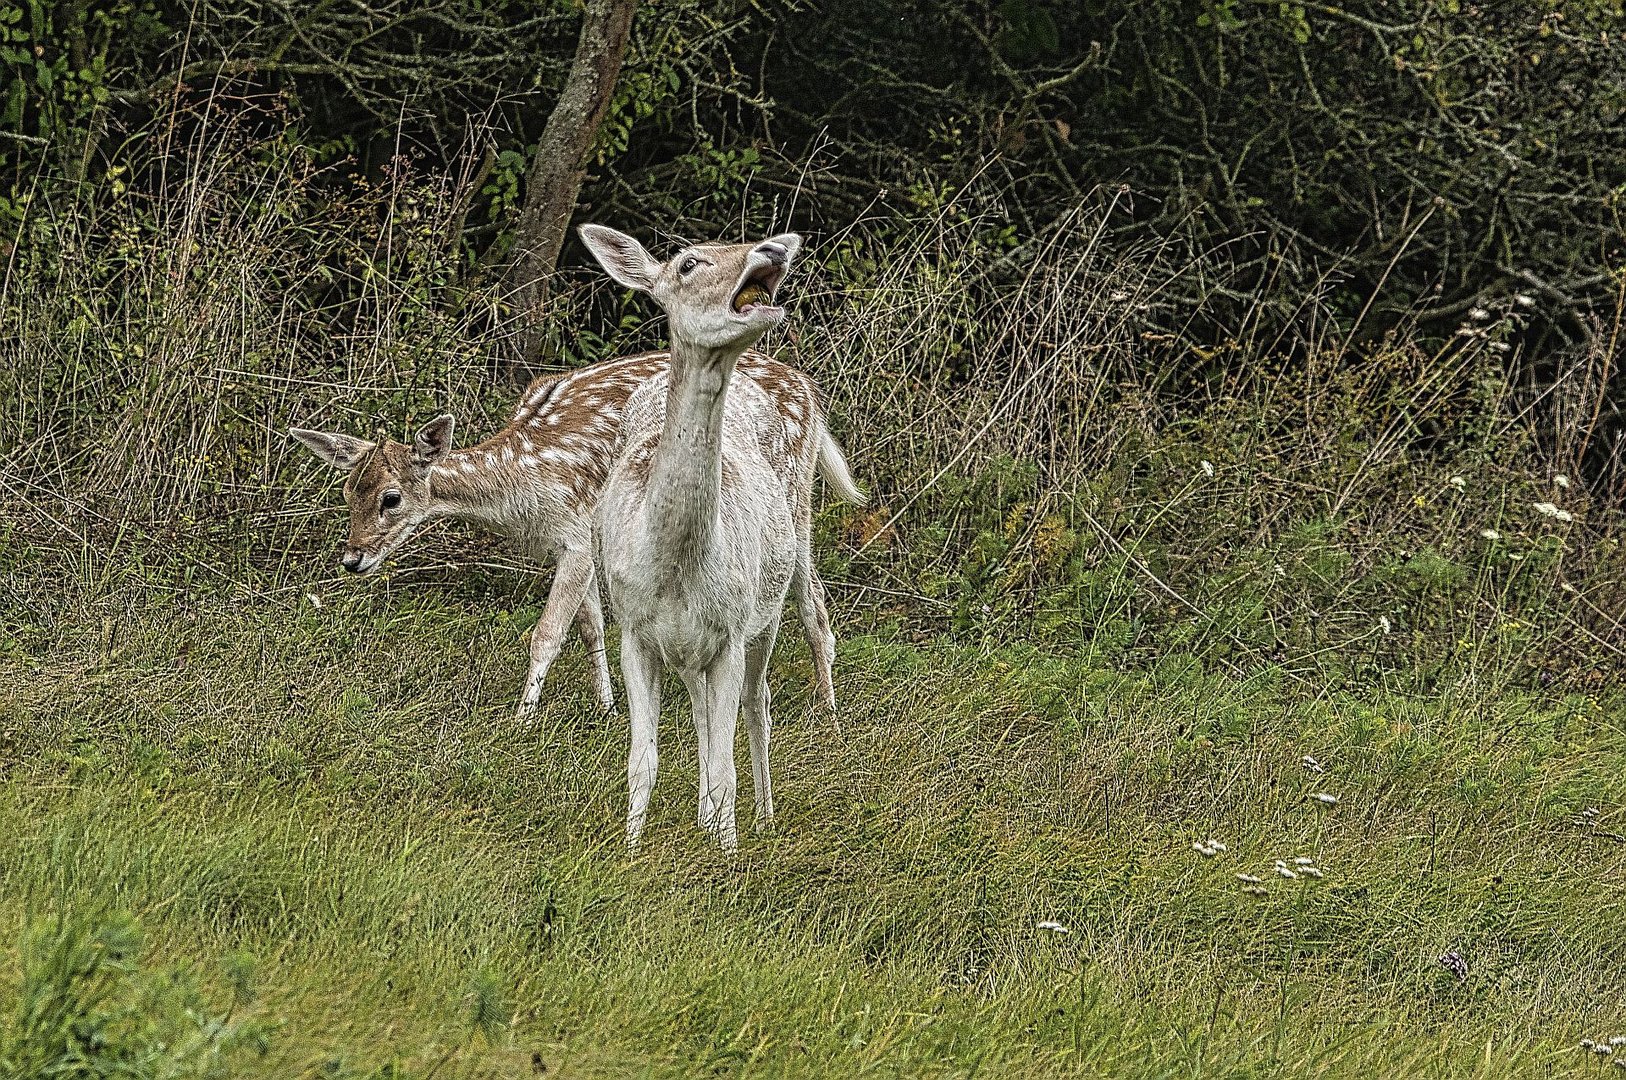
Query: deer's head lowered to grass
x,y
388,489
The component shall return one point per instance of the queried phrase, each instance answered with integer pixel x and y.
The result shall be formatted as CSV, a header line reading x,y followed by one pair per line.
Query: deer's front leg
x,y
570,584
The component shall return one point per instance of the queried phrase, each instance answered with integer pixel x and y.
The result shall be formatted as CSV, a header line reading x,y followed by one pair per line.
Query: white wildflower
x,y
1498,346
1312,765
1547,509
1255,890
1052,926
1311,870
1325,799
1566,586
1490,534
1284,871
1587,1044
1525,300
1458,482
1478,314
1562,481
1302,860
1385,624
316,601
1617,1040
1208,468
1118,296
1249,879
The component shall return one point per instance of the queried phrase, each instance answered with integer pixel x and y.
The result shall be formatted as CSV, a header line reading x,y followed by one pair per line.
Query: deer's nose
x,y
351,560
776,253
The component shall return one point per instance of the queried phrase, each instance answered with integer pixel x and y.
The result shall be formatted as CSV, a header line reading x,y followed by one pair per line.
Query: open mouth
x,y
756,292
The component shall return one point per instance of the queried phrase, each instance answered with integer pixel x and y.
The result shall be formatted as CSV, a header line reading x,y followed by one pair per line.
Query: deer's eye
x,y
391,500
687,266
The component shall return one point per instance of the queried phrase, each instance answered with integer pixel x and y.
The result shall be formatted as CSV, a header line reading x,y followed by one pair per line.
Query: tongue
x,y
749,296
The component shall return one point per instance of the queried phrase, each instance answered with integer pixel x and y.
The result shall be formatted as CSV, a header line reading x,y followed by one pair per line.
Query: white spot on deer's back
x,y
530,461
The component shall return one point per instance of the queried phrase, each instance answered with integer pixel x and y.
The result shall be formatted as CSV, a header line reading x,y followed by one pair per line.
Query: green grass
x,y
345,859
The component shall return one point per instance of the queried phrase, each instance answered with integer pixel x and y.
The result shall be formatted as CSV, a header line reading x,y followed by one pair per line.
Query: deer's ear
x,y
622,257
340,451
434,442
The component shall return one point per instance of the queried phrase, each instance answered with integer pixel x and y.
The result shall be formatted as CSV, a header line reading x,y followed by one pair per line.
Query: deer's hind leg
x,y
815,616
755,701
590,621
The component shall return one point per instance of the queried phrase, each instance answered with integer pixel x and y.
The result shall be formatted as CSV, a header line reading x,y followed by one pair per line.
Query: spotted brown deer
x,y
536,481
704,522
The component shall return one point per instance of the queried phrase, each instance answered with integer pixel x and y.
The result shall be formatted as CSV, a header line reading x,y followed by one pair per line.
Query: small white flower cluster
x,y
1459,482
1302,866
1312,765
1208,848
1490,534
1208,468
1606,1047
1547,509
1324,798
1052,926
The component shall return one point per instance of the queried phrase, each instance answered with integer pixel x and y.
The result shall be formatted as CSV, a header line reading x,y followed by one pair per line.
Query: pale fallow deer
x,y
703,524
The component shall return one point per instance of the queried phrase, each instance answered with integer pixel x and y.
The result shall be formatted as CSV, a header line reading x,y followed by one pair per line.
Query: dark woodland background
x,y
1070,262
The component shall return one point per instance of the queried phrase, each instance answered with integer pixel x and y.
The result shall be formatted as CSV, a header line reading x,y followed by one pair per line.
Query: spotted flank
x,y
565,432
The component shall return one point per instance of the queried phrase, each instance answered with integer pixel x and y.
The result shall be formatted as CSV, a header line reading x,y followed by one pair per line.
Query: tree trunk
x,y
556,176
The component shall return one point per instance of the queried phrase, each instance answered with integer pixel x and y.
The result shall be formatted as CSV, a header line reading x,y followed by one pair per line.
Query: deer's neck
x,y
497,484
686,473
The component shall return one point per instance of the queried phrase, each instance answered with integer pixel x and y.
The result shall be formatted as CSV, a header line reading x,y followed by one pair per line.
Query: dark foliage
x,y
1430,153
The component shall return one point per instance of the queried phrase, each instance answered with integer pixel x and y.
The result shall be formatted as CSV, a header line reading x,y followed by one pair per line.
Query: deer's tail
x,y
833,467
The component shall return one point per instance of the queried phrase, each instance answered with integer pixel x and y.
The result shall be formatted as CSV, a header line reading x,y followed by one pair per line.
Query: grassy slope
x,y
337,802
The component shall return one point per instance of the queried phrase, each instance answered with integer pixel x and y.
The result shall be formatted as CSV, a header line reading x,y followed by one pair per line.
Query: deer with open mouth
x,y
704,522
